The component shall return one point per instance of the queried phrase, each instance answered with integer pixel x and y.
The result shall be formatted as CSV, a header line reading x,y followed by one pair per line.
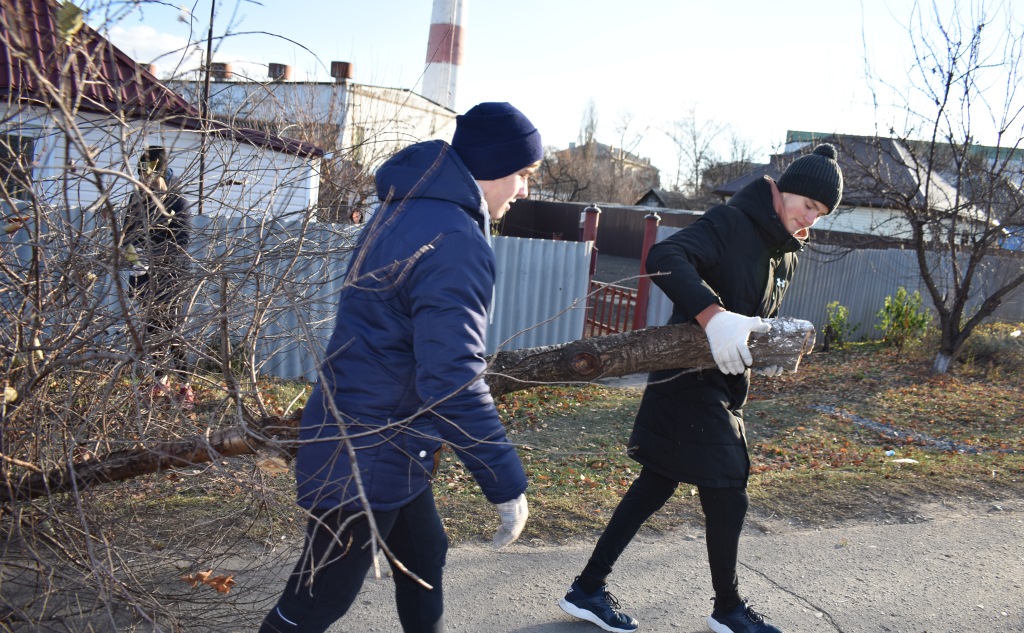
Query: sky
x,y
759,67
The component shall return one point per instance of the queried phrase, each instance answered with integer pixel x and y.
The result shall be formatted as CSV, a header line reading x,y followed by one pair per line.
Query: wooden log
x,y
156,457
586,360
681,346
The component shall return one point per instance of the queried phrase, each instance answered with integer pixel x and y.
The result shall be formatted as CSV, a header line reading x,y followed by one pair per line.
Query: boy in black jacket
x,y
726,271
157,229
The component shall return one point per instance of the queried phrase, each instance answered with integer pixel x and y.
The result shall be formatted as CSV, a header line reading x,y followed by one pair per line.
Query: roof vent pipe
x,y
219,71
341,71
279,72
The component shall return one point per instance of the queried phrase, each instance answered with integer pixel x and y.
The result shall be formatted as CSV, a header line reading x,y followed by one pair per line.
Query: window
x,y
16,156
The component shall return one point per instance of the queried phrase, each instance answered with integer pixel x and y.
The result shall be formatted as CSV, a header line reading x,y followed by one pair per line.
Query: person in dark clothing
x,y
726,272
157,229
403,372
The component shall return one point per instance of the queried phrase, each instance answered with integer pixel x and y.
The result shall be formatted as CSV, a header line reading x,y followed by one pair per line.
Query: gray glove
x,y
513,518
771,371
727,334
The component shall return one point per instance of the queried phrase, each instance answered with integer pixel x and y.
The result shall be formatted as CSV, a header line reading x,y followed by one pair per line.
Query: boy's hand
x,y
727,334
513,518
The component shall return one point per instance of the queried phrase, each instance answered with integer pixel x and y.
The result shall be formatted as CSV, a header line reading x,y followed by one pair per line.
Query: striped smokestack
x,y
444,51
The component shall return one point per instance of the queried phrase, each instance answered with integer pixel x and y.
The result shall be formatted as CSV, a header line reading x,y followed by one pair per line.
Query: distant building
x,y
77,112
882,177
711,177
595,172
359,125
664,199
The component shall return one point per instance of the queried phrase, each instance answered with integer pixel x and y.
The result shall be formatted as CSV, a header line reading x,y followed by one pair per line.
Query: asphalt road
x,y
958,567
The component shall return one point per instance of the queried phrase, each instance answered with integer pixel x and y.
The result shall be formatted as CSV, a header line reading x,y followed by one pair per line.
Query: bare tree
x,y
78,359
694,142
629,137
966,80
567,176
594,172
588,124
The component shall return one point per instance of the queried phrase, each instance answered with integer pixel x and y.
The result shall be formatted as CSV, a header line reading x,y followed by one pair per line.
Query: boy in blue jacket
x,y
403,372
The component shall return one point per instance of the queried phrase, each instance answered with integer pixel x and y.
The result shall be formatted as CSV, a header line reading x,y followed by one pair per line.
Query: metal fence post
x,y
593,215
643,286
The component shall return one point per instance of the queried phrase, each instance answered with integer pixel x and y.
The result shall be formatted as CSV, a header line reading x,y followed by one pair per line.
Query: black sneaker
x,y
599,607
742,619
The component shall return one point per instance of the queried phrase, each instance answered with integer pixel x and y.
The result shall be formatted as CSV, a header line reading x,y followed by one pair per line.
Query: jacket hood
x,y
755,201
431,169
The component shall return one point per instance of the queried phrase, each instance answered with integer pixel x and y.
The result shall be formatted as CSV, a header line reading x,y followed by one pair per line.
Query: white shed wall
x,y
95,160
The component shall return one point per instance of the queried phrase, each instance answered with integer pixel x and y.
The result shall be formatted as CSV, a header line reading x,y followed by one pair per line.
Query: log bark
x,y
681,346
156,457
587,360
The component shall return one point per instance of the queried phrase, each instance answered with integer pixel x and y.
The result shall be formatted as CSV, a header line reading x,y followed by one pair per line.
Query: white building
x,y
360,125
77,113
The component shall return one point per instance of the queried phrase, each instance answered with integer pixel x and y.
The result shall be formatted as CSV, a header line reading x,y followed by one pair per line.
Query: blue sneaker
x,y
742,619
599,607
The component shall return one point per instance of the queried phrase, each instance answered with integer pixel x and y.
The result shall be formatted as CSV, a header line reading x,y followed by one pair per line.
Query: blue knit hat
x,y
495,140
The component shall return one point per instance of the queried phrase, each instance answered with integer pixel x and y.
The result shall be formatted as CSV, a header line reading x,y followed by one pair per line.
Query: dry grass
x,y
810,467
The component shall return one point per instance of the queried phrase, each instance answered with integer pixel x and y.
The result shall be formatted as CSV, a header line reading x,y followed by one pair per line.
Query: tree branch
x,y
681,346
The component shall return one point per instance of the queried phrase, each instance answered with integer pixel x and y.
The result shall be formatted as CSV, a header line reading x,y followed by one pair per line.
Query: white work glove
x,y
771,371
513,518
727,334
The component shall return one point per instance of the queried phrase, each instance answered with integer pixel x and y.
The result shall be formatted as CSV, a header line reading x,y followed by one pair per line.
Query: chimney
x,y
150,68
219,71
279,72
341,71
444,51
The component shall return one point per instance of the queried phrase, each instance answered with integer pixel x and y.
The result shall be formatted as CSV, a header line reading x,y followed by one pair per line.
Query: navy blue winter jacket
x,y
403,369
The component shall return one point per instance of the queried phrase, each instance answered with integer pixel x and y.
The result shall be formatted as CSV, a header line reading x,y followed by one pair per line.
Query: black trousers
x,y
724,512
337,556
161,297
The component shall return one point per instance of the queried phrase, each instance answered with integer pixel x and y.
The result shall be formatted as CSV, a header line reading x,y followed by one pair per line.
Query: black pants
x,y
724,512
161,297
336,558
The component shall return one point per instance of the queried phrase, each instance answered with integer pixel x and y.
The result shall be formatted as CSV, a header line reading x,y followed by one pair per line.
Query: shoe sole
x,y
717,626
583,614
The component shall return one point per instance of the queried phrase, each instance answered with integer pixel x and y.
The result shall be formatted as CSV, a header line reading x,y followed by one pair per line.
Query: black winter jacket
x,y
159,232
690,425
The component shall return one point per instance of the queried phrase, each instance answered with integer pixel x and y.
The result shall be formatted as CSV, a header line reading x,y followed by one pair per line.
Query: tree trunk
x,y
666,347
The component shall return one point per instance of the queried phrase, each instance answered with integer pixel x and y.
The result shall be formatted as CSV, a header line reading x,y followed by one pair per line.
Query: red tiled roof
x,y
93,75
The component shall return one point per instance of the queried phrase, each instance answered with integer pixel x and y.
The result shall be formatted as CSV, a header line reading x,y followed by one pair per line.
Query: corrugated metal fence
x,y
540,292
276,283
539,299
272,285
860,280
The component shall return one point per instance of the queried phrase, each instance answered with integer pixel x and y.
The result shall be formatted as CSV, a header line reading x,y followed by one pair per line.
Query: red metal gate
x,y
615,309
610,309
